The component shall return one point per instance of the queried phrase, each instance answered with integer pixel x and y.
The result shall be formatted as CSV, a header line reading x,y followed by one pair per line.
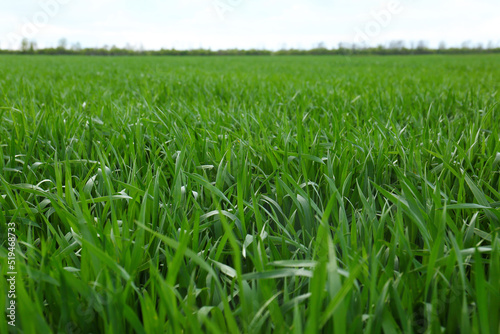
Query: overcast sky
x,y
271,24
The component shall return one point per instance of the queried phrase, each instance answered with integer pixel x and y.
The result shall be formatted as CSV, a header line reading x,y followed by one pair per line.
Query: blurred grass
x,y
252,194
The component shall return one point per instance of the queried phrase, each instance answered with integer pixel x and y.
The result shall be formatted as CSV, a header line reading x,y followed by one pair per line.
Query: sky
x,y
245,24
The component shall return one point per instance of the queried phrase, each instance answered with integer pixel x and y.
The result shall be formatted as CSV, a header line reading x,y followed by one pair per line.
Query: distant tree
x,y
32,47
396,45
62,44
25,45
343,45
76,47
421,45
391,48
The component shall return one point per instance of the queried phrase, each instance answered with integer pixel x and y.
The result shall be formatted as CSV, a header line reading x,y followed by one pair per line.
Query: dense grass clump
x,y
253,194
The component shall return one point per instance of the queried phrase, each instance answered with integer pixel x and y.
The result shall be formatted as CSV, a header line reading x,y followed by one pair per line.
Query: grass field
x,y
247,194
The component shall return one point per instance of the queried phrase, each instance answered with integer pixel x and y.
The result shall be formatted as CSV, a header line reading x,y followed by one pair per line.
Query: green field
x,y
251,194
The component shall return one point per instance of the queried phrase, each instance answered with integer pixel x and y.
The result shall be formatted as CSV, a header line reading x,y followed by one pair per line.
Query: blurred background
x,y
249,24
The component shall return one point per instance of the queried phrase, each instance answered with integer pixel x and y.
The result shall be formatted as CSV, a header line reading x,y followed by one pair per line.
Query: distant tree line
x,y
394,48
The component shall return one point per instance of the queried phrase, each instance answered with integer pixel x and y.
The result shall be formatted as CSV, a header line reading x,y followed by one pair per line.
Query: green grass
x,y
256,195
